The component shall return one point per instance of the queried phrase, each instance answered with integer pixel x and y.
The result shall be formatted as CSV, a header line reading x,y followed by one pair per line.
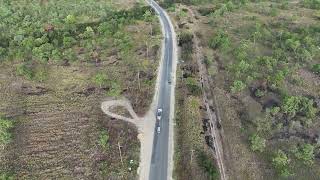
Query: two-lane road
x,y
160,156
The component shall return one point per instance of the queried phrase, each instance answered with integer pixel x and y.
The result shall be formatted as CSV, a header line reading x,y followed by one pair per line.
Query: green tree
x,y
281,163
257,143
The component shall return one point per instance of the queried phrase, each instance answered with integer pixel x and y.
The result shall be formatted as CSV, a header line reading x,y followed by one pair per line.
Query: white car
x,y
159,114
158,129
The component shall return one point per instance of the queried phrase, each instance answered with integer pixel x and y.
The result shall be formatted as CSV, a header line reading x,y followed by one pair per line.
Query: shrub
x,y
259,93
43,52
115,90
104,139
207,164
281,163
257,143
6,176
41,74
290,105
68,42
186,43
89,33
237,86
305,153
23,70
100,79
193,86
297,104
313,4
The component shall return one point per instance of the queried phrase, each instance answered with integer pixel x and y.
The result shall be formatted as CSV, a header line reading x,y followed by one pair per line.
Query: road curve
x,y
162,150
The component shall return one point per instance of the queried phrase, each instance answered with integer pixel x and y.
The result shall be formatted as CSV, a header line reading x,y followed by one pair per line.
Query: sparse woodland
x,y
263,58
59,59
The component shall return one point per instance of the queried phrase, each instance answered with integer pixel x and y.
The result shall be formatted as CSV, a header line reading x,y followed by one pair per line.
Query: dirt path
x,y
107,105
145,126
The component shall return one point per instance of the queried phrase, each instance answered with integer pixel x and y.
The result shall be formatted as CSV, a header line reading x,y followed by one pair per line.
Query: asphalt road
x,y
159,159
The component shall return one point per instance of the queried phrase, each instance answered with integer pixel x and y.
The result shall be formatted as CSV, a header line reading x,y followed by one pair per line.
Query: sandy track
x,y
107,105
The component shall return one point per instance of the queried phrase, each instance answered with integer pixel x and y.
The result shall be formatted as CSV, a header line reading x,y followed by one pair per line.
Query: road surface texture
x,y
156,154
161,160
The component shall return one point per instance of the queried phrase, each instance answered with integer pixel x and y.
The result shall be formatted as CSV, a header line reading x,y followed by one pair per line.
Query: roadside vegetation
x,y
263,59
193,158
58,61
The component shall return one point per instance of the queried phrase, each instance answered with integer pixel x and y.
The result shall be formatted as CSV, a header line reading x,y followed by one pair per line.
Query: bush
x,y
316,68
5,135
186,43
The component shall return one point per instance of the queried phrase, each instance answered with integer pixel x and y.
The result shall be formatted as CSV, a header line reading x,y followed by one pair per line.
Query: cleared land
x,y
56,67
